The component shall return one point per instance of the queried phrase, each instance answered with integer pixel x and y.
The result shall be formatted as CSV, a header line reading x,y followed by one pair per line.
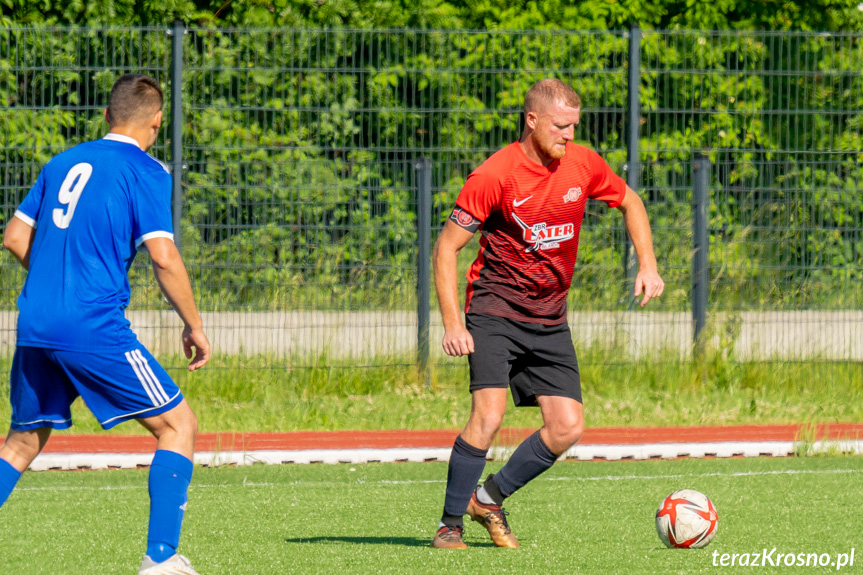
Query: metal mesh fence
x,y
54,86
299,222
779,117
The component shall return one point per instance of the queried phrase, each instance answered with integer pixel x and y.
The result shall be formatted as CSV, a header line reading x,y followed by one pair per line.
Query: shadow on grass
x,y
404,541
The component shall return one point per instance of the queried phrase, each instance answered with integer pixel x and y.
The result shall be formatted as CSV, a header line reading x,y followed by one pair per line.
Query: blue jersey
x,y
92,206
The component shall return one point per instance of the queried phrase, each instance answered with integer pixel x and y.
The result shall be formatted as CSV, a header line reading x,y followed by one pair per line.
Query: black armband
x,y
465,220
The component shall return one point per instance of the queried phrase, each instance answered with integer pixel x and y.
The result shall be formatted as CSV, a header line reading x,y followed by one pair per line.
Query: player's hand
x,y
195,339
649,282
457,342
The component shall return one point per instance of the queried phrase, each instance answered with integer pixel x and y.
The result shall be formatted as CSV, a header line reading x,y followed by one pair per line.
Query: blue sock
x,y
170,474
9,476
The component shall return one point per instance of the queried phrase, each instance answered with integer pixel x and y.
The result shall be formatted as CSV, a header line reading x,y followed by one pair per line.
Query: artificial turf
x,y
580,517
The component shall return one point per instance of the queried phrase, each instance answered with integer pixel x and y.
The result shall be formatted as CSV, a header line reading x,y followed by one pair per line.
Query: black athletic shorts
x,y
530,358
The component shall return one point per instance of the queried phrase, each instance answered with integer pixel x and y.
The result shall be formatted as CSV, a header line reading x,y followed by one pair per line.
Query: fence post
x,y
176,32
700,250
633,166
424,207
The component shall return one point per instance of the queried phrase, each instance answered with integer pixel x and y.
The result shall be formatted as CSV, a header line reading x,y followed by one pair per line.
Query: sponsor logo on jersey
x,y
517,203
544,237
572,195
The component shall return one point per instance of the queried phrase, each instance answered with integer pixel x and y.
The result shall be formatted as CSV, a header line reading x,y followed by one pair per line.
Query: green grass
x,y
236,394
587,518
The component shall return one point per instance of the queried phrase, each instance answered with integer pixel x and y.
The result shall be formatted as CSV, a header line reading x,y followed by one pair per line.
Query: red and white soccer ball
x,y
686,519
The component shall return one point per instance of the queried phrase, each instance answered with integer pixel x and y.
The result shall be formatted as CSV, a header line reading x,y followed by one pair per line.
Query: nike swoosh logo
x,y
516,203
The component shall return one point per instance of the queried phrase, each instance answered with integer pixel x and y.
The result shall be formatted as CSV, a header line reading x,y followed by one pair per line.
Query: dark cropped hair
x,y
134,98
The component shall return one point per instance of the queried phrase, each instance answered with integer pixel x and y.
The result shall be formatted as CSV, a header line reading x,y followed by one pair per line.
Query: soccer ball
x,y
686,519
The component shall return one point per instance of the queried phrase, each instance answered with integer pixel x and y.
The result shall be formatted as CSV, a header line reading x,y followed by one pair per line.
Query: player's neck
x,y
138,135
532,151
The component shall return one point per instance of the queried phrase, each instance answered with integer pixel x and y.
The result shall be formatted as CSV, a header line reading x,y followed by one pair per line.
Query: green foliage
x,y
817,15
300,192
301,144
101,12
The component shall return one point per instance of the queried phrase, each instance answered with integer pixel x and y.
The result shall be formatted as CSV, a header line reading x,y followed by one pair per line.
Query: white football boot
x,y
174,565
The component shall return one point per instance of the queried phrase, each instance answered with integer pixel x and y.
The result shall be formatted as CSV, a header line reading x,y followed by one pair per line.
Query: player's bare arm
x,y
637,225
457,341
171,274
18,239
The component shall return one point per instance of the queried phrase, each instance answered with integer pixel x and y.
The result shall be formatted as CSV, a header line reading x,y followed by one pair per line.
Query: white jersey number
x,y
70,193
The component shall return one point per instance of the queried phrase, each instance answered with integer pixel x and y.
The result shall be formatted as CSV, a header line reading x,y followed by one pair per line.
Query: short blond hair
x,y
550,91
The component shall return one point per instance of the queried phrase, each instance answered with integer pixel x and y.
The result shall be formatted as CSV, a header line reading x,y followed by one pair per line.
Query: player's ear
x,y
108,116
157,119
530,120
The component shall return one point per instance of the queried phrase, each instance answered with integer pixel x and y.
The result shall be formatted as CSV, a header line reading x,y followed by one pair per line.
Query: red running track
x,y
300,440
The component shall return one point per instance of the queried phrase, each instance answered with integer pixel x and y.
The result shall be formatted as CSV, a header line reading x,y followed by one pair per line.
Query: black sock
x,y
465,469
530,459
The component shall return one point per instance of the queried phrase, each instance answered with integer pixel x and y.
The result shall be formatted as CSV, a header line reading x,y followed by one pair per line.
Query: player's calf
x,y
170,475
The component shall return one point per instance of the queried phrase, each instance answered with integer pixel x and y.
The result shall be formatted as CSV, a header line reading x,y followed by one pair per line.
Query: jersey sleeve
x,y
605,185
28,211
478,198
151,203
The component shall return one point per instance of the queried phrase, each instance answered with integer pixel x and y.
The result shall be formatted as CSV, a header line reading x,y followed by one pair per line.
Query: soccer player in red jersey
x,y
528,201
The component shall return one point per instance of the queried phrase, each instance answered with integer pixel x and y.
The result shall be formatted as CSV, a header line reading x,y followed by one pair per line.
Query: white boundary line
x,y
70,461
252,484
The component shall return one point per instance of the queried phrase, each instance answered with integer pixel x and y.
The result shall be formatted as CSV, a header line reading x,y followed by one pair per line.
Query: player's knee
x,y
184,422
482,429
490,423
576,431
21,448
189,425
566,434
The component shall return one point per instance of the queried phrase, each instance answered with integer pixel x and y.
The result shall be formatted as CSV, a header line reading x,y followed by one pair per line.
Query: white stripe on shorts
x,y
141,413
157,385
141,377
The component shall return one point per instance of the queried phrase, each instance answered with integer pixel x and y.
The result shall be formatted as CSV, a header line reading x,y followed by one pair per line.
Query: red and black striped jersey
x,y
530,216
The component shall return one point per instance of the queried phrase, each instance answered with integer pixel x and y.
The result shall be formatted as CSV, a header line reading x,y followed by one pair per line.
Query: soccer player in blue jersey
x,y
77,232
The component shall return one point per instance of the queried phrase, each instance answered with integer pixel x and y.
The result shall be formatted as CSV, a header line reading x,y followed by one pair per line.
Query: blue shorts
x,y
115,385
